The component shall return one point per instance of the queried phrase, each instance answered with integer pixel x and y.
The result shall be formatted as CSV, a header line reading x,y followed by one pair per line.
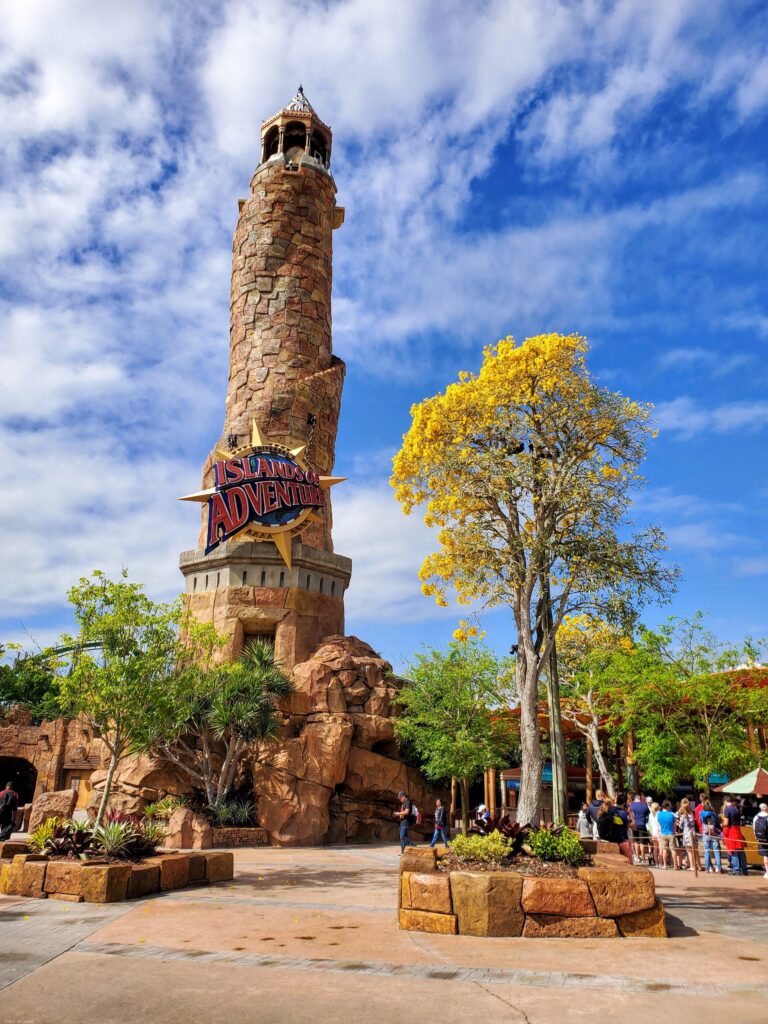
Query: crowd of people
x,y
679,837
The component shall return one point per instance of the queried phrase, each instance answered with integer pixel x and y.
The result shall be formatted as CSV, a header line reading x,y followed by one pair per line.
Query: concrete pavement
x,y
306,935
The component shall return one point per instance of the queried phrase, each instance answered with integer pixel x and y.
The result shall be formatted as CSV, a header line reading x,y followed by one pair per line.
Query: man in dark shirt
x,y
9,801
405,814
640,811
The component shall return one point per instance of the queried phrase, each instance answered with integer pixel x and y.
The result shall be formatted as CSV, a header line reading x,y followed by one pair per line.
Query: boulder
x,y
293,811
104,883
424,921
187,830
58,804
428,892
621,890
487,902
418,858
144,881
25,876
219,866
63,876
651,923
551,926
568,897
174,870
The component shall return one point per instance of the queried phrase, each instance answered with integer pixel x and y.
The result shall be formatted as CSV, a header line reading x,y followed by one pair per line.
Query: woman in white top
x,y
653,832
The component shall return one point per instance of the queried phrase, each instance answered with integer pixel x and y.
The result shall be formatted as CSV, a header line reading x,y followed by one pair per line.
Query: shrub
x,y
233,812
512,830
70,839
164,808
559,844
489,849
37,839
127,839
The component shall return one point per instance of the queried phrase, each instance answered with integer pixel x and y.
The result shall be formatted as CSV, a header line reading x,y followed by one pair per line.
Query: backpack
x,y
761,827
415,814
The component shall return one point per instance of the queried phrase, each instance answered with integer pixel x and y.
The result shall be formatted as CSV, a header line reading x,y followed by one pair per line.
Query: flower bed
x,y
607,899
37,876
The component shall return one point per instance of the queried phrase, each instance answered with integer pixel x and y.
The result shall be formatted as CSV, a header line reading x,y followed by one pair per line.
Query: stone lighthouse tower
x,y
284,395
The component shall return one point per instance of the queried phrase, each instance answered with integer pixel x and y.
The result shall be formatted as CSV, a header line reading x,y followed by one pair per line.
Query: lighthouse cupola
x,y
296,135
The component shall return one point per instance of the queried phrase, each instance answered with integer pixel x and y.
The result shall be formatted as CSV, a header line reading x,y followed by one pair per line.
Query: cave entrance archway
x,y
22,774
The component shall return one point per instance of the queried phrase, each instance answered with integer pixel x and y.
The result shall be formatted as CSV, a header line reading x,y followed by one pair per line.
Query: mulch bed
x,y
521,865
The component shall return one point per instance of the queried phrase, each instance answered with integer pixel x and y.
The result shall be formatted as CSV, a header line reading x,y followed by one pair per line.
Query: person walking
x,y
621,826
666,822
760,825
407,817
441,825
710,838
9,802
733,837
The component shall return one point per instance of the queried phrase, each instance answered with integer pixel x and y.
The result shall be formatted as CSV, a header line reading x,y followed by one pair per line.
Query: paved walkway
x,y
310,935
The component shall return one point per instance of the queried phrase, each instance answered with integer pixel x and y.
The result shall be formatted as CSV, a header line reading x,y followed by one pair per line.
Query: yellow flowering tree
x,y
585,645
526,468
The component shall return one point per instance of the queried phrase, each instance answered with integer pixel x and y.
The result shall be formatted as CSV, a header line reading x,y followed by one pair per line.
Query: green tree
x,y
689,700
210,714
30,681
117,682
527,470
453,714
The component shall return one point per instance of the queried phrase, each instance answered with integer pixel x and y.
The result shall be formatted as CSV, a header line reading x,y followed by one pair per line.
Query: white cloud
x,y
752,566
387,549
688,418
702,536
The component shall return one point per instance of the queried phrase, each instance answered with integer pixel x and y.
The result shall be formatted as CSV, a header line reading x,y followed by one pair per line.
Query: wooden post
x,y
452,814
590,780
486,798
492,791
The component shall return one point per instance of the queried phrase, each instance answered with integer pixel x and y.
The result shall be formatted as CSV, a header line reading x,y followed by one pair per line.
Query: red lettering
x,y
283,494
220,523
238,505
255,498
234,470
248,473
270,499
220,473
311,476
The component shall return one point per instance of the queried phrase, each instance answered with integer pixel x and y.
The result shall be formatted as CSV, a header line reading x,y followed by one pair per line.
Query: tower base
x,y
246,589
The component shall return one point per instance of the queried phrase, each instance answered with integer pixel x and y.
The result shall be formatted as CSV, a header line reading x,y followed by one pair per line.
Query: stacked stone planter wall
x,y
607,900
37,877
229,837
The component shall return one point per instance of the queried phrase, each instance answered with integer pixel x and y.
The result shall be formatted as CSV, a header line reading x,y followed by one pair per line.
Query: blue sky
x,y
508,167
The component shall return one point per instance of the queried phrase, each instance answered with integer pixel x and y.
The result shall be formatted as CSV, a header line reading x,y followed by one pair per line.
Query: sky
x,y
508,167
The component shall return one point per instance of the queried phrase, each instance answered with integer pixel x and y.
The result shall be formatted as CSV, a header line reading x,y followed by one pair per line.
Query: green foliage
x,y
559,844
233,813
684,696
70,839
450,711
493,848
30,680
222,708
37,839
164,808
127,839
119,683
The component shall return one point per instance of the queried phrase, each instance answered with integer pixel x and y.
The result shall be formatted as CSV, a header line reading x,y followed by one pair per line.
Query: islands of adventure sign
x,y
265,491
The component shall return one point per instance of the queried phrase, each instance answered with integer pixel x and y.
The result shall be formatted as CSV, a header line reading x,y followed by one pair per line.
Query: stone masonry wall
x,y
281,364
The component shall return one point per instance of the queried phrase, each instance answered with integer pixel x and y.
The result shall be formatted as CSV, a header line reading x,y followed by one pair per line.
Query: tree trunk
x,y
528,805
602,767
464,806
589,758
108,785
556,737
452,813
